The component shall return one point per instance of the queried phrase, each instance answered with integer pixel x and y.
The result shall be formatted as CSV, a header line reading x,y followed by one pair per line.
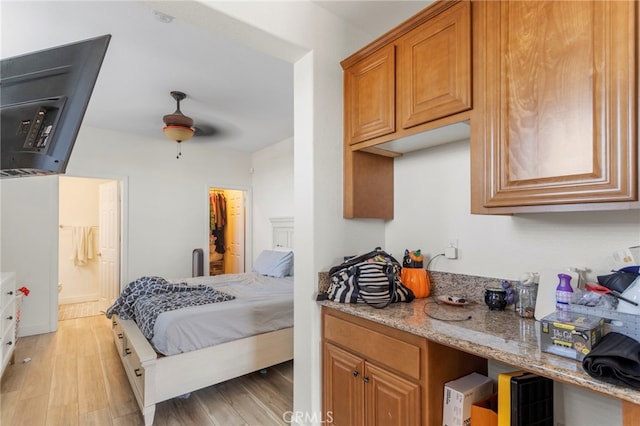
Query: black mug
x,y
495,298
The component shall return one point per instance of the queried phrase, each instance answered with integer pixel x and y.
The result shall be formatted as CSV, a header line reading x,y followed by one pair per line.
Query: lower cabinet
x,y
377,375
358,385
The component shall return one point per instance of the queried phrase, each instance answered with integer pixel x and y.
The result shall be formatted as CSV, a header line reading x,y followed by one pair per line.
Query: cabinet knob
x,y
9,343
10,293
10,317
355,373
120,335
365,379
127,351
114,323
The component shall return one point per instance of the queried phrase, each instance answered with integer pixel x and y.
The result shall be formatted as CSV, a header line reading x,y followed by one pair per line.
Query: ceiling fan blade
x,y
205,130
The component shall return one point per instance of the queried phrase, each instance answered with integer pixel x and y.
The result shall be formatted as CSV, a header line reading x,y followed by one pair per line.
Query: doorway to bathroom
x,y
88,246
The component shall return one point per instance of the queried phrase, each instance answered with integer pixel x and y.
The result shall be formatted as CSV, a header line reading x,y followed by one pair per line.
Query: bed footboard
x,y
155,379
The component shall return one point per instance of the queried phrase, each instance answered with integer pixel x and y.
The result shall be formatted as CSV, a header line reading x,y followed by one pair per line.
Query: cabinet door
x,y
390,399
369,96
343,387
557,118
434,67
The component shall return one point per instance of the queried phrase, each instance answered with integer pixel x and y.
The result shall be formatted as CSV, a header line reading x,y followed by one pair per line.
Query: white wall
x,y
166,198
432,205
29,247
78,206
272,183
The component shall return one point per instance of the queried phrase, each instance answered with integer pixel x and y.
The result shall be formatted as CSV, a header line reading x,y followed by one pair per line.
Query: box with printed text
x,y
570,334
460,394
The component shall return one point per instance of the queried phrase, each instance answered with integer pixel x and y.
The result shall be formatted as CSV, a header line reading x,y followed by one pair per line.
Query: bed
x,y
195,347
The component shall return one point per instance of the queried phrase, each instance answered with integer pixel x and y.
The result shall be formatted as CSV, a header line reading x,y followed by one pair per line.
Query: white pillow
x,y
273,263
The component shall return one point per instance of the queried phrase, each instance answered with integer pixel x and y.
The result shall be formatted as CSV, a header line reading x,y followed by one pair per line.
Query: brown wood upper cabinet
x,y
415,78
555,119
369,96
421,73
434,67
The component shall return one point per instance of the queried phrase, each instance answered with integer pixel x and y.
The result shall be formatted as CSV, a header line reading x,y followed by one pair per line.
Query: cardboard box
x,y
485,412
460,394
570,334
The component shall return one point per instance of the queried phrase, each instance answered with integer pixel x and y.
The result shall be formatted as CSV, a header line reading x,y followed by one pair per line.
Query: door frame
x,y
248,219
123,183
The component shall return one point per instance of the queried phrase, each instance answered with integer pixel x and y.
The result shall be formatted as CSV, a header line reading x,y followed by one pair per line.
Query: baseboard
x,y
78,299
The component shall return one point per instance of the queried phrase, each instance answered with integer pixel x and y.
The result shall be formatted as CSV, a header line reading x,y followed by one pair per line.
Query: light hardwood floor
x,y
75,378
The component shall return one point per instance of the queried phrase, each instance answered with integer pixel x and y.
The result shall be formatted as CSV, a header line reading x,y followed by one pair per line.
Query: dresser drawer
x,y
8,317
7,294
388,351
7,343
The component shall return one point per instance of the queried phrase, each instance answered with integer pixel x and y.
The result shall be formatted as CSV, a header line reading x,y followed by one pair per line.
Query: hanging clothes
x,y
218,219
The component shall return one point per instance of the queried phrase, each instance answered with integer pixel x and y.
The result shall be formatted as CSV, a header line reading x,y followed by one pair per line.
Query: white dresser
x,y
7,318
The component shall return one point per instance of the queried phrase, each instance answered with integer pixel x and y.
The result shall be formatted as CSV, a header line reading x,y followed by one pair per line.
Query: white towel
x,y
82,245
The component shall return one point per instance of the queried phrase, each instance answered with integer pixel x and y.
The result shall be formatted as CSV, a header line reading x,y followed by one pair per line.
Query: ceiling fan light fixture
x,y
178,133
178,127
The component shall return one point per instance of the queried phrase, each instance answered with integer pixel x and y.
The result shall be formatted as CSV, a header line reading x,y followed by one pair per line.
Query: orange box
x,y
485,412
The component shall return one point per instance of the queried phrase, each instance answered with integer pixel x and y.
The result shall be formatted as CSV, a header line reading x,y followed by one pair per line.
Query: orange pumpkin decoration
x,y
413,275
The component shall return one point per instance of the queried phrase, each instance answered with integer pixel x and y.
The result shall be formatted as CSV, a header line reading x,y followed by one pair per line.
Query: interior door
x,y
109,243
234,238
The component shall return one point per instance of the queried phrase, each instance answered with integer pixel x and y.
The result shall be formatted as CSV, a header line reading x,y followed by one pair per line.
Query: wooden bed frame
x,y
155,378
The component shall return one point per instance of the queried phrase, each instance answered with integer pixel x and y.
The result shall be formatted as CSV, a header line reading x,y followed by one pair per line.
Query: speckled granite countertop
x,y
499,335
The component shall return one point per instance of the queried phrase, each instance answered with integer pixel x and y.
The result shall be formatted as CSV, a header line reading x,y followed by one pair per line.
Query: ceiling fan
x,y
180,128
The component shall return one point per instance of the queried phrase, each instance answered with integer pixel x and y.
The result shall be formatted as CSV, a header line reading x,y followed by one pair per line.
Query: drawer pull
x,y
120,335
355,373
127,351
365,379
10,317
114,323
137,371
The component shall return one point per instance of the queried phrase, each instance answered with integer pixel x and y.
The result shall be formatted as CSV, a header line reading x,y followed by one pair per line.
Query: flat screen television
x,y
44,96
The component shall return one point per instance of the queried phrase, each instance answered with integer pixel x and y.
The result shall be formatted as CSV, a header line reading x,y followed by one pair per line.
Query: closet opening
x,y
227,231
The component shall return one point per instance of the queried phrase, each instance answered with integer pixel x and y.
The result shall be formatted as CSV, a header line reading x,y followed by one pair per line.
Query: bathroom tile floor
x,y
79,310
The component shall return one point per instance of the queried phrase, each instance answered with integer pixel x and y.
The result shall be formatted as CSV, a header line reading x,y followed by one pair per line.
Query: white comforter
x,y
262,304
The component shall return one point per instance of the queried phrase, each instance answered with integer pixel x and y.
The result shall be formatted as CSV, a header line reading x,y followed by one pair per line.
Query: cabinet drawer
x,y
374,346
118,336
7,294
134,369
8,319
7,343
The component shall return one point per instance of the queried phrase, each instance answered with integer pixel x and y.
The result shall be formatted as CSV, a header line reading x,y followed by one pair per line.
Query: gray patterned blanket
x,y
144,299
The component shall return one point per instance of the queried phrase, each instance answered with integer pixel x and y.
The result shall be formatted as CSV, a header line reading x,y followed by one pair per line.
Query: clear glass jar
x,y
526,303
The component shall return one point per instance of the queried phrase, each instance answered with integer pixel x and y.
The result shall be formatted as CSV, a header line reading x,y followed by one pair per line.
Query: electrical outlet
x,y
451,253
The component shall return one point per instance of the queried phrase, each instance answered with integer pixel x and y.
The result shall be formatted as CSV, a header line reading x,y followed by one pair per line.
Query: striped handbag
x,y
372,278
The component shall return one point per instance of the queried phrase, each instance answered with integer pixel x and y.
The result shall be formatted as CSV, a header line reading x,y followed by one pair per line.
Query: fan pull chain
x,y
179,151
